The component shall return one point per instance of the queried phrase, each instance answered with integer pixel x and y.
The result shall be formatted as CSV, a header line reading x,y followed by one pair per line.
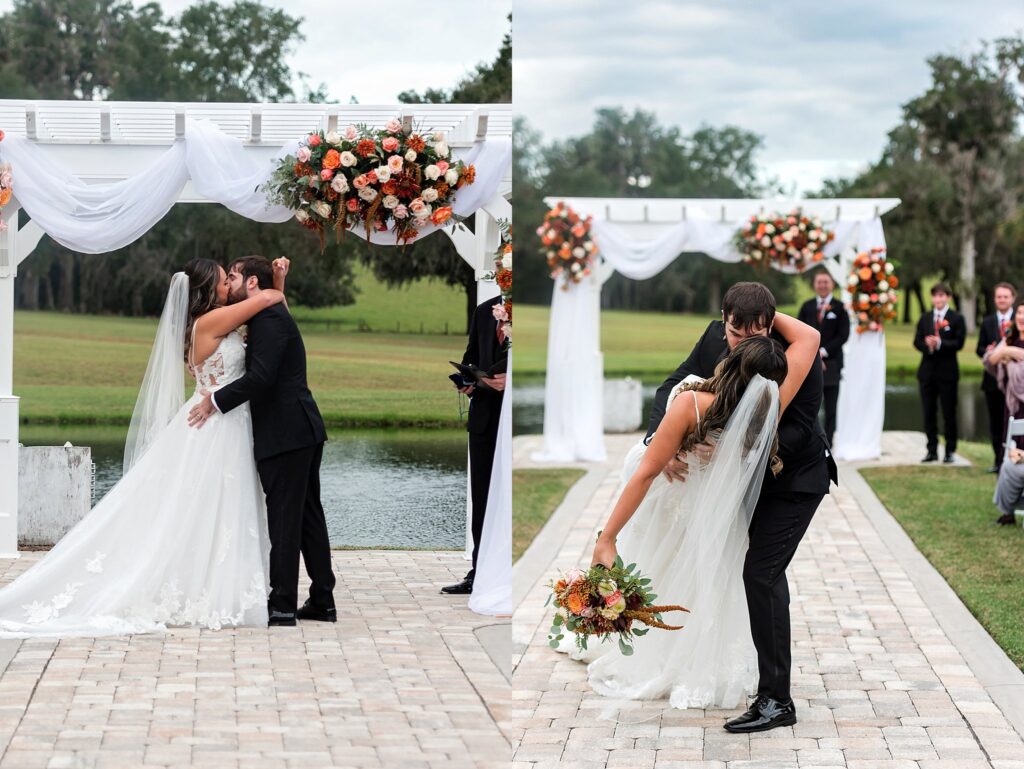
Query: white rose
x,y
451,176
410,156
755,254
390,201
766,241
348,159
322,209
369,194
441,149
332,137
883,285
876,267
383,174
506,261
769,228
301,215
429,194
339,183
351,133
575,267
889,268
578,252
438,136
423,213
432,172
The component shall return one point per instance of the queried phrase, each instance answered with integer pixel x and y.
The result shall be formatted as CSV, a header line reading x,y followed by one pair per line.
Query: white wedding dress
x,y
691,539
180,540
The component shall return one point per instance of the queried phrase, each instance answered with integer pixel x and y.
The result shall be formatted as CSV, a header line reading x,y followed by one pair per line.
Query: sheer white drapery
x,y
573,390
97,218
861,409
492,585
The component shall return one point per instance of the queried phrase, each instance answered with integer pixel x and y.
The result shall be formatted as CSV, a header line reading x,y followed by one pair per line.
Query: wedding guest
x,y
1005,363
993,330
1010,487
487,350
827,314
940,336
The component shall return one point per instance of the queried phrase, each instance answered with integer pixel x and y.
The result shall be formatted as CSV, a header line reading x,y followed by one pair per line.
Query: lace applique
x,y
225,543
38,612
95,564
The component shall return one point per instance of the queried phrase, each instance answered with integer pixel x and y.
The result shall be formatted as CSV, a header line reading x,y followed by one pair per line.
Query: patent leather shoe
x,y
764,714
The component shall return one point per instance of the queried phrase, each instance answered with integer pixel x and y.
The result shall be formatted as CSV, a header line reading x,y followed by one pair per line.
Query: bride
x,y
181,539
690,537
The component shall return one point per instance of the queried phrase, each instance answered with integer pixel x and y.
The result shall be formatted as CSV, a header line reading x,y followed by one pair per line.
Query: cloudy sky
x,y
822,82
374,56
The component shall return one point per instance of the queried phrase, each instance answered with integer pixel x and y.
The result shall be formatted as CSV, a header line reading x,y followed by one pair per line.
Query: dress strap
x,y
192,349
695,407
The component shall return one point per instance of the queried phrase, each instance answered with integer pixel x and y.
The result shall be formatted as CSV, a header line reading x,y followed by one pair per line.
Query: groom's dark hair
x,y
749,305
258,267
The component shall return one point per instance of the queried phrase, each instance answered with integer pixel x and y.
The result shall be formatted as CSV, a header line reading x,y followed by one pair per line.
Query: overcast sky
x,y
374,51
822,82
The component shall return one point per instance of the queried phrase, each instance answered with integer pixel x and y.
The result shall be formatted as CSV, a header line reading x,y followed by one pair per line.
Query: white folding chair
x,y
1014,428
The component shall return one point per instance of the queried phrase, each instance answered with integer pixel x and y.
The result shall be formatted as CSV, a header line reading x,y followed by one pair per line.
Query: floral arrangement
x,y
387,179
872,287
602,602
5,186
567,245
783,240
502,275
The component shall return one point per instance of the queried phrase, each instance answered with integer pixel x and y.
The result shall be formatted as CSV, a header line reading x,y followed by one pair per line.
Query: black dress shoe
x,y
459,588
948,459
317,614
931,456
281,619
1006,519
766,713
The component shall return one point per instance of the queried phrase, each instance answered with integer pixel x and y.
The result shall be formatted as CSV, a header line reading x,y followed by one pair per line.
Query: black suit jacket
x,y
284,415
989,334
834,329
483,349
807,463
941,365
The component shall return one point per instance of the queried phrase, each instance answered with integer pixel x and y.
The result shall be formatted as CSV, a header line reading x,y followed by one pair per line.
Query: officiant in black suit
x,y
784,508
827,314
993,330
940,336
487,350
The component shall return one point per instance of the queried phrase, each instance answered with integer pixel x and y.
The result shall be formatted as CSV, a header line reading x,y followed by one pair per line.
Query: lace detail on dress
x,y
225,364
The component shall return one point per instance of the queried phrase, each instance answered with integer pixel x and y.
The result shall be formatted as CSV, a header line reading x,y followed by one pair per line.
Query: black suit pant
x,y
297,526
481,459
933,394
997,418
830,397
778,525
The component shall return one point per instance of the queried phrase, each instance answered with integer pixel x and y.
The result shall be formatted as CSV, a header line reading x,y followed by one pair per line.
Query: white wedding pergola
x,y
105,142
639,237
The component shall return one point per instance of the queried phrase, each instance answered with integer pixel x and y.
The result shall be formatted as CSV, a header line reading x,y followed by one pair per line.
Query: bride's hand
x,y
280,265
604,553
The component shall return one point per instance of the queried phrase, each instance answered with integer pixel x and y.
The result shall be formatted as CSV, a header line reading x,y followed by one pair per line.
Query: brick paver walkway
x,y
400,681
877,683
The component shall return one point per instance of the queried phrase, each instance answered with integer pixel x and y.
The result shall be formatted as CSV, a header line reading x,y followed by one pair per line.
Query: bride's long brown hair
x,y
203,277
752,356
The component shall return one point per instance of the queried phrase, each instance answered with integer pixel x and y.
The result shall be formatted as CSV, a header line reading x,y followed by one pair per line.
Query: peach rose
x,y
326,174
313,140
390,144
352,205
360,181
393,126
395,163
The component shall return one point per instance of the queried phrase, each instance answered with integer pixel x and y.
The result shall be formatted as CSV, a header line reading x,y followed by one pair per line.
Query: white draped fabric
x,y
573,390
97,218
861,409
492,585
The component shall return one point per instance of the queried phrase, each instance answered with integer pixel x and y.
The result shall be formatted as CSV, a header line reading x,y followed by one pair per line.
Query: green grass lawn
x,y
536,493
87,369
647,345
949,514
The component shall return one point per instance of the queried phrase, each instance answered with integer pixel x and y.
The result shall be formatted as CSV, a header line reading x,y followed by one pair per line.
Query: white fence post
x,y
8,401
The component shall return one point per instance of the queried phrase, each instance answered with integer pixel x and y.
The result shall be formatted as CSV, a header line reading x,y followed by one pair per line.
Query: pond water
x,y
902,408
380,488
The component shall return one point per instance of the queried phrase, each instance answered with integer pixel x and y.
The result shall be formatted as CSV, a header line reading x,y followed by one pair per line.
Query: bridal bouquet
x,y
566,244
602,602
502,275
391,178
783,240
872,287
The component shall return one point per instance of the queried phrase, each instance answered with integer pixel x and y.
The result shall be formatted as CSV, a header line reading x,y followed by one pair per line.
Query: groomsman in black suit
x,y
827,314
993,330
486,349
940,335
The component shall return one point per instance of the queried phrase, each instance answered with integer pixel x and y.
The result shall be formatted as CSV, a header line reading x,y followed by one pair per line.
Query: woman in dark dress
x,y
1005,362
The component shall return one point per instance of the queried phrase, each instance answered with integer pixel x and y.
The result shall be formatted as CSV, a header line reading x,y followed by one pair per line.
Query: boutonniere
x,y
1004,327
942,324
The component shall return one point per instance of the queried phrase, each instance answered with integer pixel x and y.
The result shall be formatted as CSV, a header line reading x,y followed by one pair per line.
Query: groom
x,y
288,442
784,508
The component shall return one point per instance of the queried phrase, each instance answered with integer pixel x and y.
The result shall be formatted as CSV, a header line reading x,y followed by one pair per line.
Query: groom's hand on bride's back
x,y
202,411
676,469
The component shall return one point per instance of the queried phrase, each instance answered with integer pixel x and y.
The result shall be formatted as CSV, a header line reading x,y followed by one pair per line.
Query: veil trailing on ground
x,y
691,539
163,388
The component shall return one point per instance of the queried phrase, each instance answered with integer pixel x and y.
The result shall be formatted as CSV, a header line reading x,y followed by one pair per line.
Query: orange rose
x,y
865,273
575,603
441,215
332,159
5,196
